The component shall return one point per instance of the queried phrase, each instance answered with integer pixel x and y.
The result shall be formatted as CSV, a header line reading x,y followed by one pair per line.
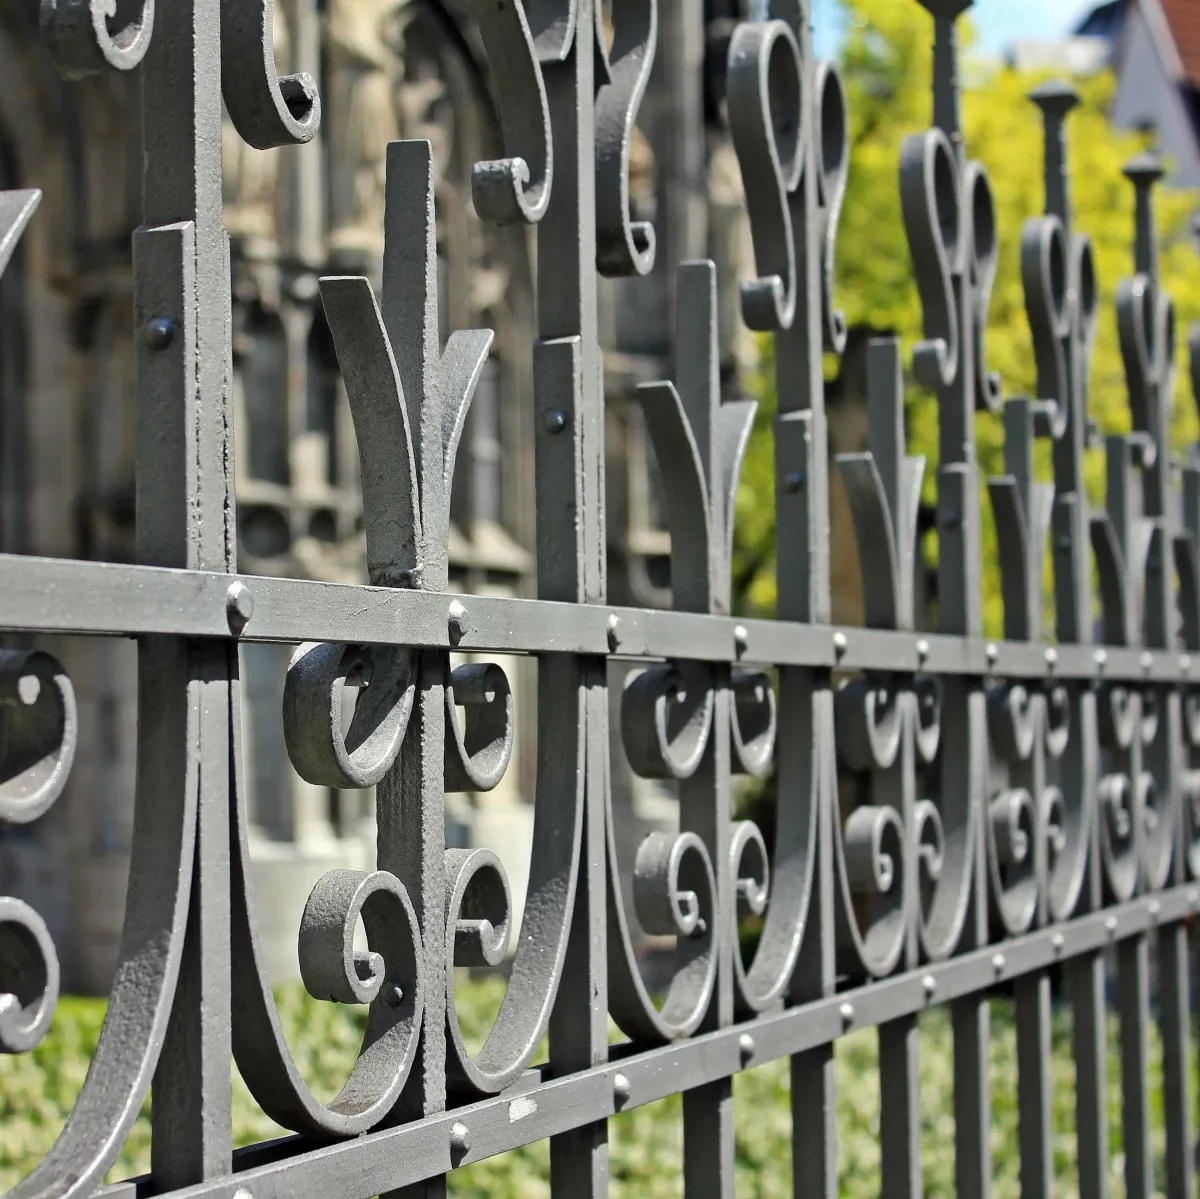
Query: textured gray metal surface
x,y
1018,806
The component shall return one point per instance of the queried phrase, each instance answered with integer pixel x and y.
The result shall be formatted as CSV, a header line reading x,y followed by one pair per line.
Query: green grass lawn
x,y
37,1091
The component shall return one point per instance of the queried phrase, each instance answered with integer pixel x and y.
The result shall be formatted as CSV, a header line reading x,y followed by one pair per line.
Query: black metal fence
x,y
1019,807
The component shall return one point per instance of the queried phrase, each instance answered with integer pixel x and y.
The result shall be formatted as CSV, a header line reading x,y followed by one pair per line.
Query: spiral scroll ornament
x,y
85,37
38,736
418,725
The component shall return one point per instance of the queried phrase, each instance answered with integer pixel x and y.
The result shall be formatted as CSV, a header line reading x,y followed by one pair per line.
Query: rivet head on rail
x,y
998,962
1058,941
745,1047
614,631
794,481
554,420
929,985
1101,658
460,1137
1193,898
741,639
840,644
1051,656
239,607
922,650
158,332
846,1011
621,1089
1146,660
457,617
243,1193
1110,926
992,652
1185,663
392,992
1154,907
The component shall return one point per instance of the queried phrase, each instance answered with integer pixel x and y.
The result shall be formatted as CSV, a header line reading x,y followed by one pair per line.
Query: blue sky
x,y
998,21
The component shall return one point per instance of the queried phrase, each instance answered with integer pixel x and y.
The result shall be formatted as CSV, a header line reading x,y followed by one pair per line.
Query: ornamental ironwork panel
x,y
1018,807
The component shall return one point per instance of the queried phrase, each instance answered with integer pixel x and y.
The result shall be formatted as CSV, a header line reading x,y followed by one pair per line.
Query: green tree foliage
x,y
887,70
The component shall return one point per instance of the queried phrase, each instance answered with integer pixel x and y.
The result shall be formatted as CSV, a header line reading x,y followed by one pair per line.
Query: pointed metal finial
x,y
946,115
1056,99
1144,171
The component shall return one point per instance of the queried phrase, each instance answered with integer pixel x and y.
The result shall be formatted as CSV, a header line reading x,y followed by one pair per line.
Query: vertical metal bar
x,y
186,518
571,559
1133,1005
1174,989
900,1109
1033,1085
813,1076
1090,1047
704,800
972,1022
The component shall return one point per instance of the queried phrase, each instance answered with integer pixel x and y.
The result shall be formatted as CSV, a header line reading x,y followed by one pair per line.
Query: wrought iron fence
x,y
1018,807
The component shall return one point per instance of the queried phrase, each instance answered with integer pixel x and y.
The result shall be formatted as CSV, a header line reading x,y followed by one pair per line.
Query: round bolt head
x,y
1101,657
992,651
614,631
392,992
922,650
460,1137
794,481
746,1046
846,1011
741,638
1058,941
840,644
1110,926
456,614
239,607
1146,660
1051,656
158,332
998,962
554,420
1154,907
929,984
621,1089
1193,898
1185,663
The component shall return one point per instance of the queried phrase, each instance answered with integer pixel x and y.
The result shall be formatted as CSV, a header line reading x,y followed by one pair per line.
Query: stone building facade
x,y
387,69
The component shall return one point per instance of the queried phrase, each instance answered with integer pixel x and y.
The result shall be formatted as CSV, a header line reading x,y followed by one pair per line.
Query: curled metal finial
x,y
85,37
623,246
930,202
519,38
832,151
765,94
267,109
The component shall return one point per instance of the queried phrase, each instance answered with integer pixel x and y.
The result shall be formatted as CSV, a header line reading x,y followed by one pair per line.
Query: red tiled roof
x,y
1183,16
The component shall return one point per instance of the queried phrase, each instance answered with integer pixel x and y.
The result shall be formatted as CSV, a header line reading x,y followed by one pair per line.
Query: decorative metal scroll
x,y
952,813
